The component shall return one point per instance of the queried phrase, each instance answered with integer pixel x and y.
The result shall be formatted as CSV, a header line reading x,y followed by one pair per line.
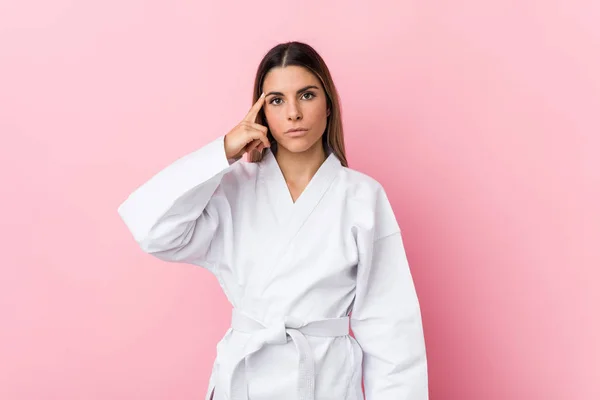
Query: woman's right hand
x,y
247,135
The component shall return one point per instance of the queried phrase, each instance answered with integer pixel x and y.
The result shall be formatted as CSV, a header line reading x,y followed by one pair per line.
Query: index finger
x,y
251,116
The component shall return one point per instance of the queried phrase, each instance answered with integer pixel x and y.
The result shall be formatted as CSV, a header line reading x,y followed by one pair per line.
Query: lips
x,y
296,130
296,133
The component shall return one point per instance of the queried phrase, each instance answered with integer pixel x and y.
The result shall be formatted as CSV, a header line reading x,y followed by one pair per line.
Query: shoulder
x,y
241,171
360,185
368,198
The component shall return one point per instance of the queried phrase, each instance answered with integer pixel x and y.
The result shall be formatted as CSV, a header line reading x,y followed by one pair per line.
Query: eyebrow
x,y
297,92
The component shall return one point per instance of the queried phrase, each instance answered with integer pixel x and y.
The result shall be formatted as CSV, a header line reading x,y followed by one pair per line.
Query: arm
x,y
175,215
386,318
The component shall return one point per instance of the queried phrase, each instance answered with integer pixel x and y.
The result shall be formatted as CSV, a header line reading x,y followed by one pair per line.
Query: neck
x,y
299,168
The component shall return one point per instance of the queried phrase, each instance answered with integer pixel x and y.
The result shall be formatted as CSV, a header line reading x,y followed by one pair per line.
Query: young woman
x,y
303,247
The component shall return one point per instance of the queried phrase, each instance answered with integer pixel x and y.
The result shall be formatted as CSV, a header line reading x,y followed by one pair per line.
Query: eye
x,y
311,94
273,101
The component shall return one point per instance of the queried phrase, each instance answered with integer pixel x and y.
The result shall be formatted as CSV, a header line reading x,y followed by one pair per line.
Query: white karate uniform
x,y
293,271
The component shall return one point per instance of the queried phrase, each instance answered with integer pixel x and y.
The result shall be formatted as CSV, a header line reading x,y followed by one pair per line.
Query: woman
x,y
302,246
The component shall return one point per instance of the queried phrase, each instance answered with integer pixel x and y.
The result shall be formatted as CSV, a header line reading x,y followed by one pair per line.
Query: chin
x,y
299,145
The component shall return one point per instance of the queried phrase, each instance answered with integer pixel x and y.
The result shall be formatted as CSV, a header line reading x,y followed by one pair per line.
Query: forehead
x,y
290,78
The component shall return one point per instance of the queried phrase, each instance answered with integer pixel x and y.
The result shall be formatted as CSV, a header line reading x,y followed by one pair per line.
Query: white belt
x,y
279,333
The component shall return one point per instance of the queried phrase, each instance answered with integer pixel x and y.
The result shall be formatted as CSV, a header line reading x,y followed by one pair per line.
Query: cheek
x,y
319,106
319,112
273,119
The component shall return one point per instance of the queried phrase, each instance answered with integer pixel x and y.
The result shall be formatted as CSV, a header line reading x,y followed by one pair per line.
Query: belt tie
x,y
289,328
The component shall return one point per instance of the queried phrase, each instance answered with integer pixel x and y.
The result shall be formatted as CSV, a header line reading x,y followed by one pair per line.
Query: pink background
x,y
481,119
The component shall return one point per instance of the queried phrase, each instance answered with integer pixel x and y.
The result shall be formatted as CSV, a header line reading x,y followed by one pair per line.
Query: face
x,y
295,99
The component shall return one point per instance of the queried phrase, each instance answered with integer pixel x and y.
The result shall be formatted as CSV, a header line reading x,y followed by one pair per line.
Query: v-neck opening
x,y
281,178
280,197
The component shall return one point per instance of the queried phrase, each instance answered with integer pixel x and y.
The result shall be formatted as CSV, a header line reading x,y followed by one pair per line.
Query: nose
x,y
294,113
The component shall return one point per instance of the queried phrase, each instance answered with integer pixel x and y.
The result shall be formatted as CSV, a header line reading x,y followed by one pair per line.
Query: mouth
x,y
293,130
296,132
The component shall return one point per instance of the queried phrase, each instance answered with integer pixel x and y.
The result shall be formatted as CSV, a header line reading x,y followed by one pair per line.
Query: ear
x,y
328,111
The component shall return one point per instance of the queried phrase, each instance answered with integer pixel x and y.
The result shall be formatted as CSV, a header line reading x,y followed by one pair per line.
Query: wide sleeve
x,y
386,317
178,213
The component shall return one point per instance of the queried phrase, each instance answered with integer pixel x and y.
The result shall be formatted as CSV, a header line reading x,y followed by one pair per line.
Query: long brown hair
x,y
303,55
